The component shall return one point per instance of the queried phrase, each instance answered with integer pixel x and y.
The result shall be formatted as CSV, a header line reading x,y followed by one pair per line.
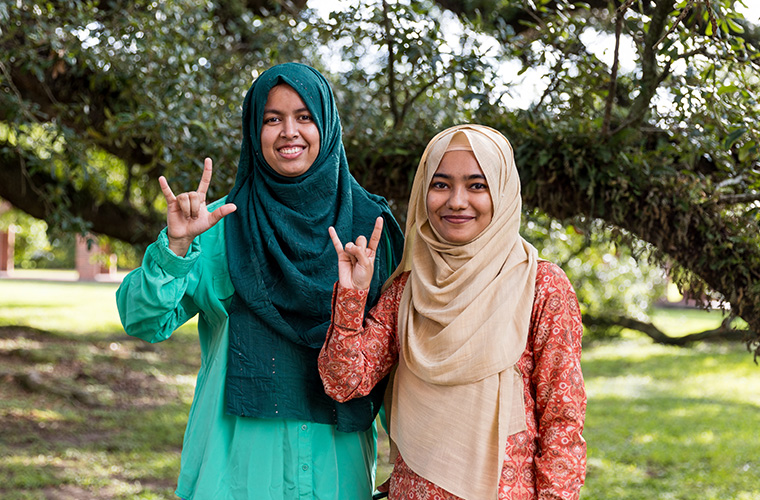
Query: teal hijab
x,y
281,260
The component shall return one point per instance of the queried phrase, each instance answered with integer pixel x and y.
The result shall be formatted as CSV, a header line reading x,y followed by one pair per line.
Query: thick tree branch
x,y
672,223
66,86
723,332
389,42
619,14
28,192
649,75
732,199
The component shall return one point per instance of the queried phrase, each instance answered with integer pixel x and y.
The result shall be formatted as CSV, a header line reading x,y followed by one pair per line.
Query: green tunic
x,y
225,456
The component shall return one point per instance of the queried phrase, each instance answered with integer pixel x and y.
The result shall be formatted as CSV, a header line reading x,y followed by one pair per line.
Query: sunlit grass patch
x,y
671,423
71,307
679,321
20,472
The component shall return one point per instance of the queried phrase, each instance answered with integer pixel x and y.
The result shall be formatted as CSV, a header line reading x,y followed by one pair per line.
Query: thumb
x,y
222,212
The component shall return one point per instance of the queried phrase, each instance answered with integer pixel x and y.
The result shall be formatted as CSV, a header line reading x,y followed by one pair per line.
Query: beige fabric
x,y
463,325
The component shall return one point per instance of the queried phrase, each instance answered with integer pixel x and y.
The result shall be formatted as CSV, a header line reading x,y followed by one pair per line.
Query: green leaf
x,y
736,28
726,89
733,137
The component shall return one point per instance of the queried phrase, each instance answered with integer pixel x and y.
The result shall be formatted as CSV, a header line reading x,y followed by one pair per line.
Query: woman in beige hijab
x,y
488,399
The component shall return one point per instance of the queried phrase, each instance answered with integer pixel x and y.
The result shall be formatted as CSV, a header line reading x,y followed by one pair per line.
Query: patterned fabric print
x,y
545,465
358,357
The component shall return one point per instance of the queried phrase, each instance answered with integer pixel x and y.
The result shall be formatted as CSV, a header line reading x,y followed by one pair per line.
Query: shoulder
x,y
550,276
556,315
552,284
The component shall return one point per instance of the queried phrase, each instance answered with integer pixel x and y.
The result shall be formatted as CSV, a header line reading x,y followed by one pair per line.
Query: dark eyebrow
x,y
278,112
468,178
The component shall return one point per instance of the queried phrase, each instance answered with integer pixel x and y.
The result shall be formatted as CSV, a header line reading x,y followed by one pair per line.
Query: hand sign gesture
x,y
356,262
186,214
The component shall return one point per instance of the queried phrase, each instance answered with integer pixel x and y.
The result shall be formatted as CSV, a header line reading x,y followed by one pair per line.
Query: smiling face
x,y
458,201
289,136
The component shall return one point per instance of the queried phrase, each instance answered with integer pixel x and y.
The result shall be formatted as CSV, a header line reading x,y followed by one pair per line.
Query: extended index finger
x,y
205,178
168,194
336,241
374,240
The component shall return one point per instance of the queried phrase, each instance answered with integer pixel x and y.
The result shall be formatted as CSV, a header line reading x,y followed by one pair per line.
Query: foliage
x,y
32,248
164,71
641,113
609,279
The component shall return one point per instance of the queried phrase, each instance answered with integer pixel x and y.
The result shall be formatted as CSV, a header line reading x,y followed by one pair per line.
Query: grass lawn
x,y
662,422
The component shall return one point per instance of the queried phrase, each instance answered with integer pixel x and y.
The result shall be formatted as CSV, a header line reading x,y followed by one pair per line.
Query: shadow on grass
x,y
122,442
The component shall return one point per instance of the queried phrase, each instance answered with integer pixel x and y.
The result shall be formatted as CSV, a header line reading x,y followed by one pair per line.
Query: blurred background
x,y
635,134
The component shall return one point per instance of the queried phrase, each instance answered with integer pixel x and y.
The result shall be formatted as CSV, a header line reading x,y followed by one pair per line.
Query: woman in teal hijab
x,y
261,282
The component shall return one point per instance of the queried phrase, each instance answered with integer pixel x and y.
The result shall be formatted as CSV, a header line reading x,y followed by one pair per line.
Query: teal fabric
x,y
283,266
226,456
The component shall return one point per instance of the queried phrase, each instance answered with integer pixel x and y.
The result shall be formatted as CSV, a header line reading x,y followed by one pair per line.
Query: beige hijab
x,y
463,325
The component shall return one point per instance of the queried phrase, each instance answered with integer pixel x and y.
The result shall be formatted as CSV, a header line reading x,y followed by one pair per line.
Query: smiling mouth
x,y
457,219
290,150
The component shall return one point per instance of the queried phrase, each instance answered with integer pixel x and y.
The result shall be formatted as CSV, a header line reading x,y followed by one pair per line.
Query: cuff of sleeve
x,y
170,262
348,307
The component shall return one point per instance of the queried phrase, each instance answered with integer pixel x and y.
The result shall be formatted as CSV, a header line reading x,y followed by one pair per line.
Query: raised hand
x,y
186,213
356,262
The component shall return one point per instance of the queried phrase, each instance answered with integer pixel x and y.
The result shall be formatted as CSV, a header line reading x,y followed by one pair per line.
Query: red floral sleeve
x,y
357,354
560,396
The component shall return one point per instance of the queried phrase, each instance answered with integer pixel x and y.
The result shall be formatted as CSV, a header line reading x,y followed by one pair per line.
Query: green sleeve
x,y
153,300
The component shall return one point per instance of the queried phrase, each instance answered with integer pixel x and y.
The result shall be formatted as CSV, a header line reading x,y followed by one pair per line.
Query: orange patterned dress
x,y
546,461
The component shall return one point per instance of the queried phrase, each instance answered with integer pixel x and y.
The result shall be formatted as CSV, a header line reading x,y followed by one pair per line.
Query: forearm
x,y
357,353
561,462
560,395
152,300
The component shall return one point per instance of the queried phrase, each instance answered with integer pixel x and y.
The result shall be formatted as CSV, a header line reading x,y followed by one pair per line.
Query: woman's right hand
x,y
186,213
356,262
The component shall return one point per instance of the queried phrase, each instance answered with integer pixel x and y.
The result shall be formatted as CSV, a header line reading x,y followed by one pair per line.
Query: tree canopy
x,y
635,117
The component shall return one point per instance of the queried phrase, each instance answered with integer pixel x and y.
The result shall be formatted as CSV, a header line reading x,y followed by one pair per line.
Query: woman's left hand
x,y
356,262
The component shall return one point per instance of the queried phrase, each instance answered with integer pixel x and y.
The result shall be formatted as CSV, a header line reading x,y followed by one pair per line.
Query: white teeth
x,y
290,151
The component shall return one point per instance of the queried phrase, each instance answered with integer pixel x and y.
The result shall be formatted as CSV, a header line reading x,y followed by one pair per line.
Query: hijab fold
x,y
463,325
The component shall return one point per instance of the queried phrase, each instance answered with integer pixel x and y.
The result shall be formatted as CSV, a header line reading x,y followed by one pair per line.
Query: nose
x,y
289,127
457,198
